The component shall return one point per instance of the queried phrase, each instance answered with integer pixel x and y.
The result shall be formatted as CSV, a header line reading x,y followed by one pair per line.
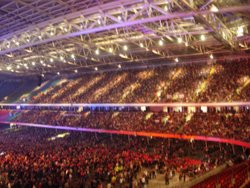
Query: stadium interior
x,y
124,93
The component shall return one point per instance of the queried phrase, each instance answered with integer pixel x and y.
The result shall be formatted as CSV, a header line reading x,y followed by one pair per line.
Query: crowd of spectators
x,y
32,157
235,126
186,83
223,125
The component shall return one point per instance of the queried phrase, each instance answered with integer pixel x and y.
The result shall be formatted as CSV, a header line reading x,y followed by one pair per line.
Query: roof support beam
x,y
211,21
91,26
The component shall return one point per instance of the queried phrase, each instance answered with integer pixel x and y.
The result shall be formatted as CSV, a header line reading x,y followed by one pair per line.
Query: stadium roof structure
x,y
65,36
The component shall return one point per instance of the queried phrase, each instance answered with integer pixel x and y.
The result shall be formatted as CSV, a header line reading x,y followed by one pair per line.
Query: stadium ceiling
x,y
39,37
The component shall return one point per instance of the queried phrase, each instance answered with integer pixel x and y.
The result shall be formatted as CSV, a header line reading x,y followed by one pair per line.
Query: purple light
x,y
133,133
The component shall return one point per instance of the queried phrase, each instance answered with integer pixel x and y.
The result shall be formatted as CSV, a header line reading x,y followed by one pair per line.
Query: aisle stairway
x,y
159,181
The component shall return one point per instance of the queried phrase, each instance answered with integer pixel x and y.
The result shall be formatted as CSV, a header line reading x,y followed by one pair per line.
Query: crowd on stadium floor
x,y
39,158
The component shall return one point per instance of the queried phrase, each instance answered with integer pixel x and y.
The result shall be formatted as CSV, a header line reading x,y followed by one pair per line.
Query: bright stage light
x,y
240,31
33,63
58,73
51,60
125,48
160,42
110,50
141,45
76,71
211,56
203,38
143,108
214,9
97,52
179,40
186,43
72,56
176,60
119,66
166,8
96,68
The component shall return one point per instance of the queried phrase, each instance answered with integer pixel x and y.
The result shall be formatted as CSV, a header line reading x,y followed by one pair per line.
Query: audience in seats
x,y
222,125
219,82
